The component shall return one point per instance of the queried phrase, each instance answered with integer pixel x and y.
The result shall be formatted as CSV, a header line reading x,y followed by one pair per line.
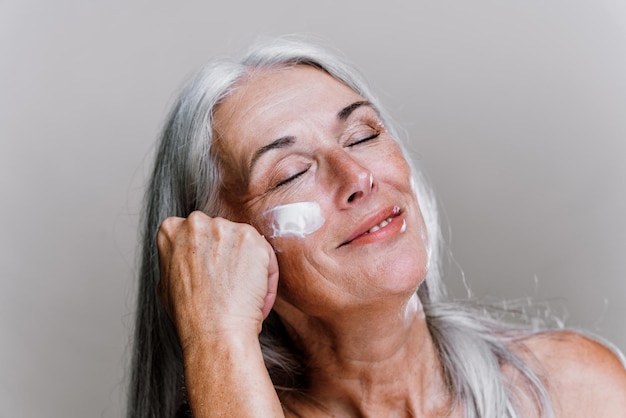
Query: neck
x,y
374,358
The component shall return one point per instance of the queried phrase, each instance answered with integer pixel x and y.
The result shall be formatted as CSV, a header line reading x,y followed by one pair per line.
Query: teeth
x,y
380,225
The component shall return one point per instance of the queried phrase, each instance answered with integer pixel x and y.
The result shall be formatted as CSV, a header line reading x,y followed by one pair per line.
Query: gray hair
x,y
187,177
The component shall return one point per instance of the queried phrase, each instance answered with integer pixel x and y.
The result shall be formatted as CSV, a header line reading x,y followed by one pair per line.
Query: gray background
x,y
515,109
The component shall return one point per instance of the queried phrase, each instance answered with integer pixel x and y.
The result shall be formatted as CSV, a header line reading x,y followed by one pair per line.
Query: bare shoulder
x,y
584,377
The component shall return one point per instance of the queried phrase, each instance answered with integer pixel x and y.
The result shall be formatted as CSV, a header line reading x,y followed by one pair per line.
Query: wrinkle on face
x,y
303,102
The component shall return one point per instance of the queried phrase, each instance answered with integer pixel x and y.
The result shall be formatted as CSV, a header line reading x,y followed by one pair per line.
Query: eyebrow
x,y
289,140
347,111
281,142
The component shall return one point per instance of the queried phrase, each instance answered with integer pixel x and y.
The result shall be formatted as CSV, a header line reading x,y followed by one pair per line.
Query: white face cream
x,y
295,219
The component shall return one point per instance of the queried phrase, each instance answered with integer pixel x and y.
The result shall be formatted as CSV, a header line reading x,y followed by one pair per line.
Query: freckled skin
x,y
356,300
346,297
303,103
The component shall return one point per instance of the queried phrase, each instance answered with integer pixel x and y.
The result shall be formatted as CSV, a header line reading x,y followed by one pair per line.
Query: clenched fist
x,y
216,276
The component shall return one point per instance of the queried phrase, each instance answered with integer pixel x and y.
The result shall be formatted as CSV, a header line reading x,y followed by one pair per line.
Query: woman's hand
x,y
218,283
216,276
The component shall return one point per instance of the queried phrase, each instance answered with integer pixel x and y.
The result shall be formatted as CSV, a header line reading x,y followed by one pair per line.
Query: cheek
x,y
307,273
390,166
294,220
299,282
286,226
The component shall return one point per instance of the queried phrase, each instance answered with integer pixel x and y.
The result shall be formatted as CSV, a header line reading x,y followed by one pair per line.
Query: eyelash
x,y
295,176
369,138
290,179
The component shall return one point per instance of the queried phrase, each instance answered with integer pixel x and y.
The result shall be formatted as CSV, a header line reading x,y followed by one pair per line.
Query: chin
x,y
400,271
404,276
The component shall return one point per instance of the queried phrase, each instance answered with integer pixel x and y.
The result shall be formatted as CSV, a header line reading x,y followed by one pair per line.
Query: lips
x,y
379,226
374,224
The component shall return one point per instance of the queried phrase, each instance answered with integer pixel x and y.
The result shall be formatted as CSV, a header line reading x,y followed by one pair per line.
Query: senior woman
x,y
290,268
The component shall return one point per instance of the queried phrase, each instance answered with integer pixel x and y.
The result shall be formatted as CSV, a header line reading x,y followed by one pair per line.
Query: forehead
x,y
271,103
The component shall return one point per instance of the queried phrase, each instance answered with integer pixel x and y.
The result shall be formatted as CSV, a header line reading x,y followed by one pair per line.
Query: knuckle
x,y
167,230
197,219
169,223
223,228
222,223
246,229
249,233
168,226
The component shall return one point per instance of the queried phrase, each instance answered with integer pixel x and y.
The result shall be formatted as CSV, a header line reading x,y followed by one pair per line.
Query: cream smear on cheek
x,y
294,219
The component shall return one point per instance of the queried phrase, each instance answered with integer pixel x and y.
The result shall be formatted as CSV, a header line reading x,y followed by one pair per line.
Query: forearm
x,y
227,377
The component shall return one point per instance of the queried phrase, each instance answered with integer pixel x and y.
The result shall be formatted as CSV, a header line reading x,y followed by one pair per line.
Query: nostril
x,y
353,196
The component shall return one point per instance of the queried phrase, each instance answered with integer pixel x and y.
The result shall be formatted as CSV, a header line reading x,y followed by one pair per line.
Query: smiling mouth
x,y
381,225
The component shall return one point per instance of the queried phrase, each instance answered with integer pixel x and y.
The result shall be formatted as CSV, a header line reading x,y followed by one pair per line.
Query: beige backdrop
x,y
515,109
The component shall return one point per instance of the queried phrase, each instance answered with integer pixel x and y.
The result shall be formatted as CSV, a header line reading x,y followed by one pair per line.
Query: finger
x,y
165,236
163,284
167,231
272,282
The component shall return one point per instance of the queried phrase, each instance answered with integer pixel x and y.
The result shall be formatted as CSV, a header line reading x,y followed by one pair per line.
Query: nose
x,y
354,181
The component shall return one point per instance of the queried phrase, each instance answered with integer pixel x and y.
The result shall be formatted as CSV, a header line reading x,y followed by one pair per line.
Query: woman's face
x,y
299,135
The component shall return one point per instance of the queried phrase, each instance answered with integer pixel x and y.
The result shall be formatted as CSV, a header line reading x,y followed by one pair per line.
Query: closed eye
x,y
360,141
290,179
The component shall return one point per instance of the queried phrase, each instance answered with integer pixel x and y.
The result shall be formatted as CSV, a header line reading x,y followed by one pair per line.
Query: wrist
x,y
217,336
194,327
225,372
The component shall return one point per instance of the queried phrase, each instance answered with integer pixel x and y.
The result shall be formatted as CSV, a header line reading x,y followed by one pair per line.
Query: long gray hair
x,y
187,177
